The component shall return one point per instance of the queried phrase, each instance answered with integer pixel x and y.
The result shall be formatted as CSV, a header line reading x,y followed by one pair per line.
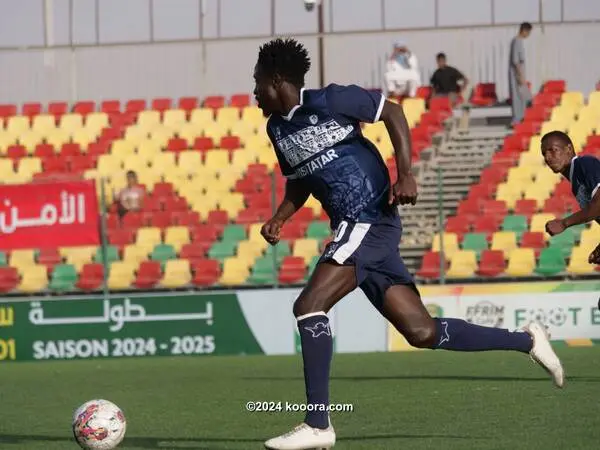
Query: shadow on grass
x,y
208,443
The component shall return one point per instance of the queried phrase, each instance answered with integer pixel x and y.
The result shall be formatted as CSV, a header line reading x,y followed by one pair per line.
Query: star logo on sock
x,y
445,336
318,329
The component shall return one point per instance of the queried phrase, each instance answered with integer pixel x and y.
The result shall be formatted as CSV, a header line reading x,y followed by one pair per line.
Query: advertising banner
x,y
128,326
57,214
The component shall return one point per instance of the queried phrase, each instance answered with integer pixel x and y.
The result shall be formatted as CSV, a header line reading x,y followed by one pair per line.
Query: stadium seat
x,y
551,262
521,262
450,244
163,253
431,265
578,263
112,252
64,277
148,238
515,223
9,279
235,272
148,274
491,263
206,272
563,242
279,251
91,277
306,248
177,274
538,222
476,242
121,275
34,279
533,240
463,264
264,271
177,236
504,241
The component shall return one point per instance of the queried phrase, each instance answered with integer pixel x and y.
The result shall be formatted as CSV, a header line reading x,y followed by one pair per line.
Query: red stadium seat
x,y
161,104
441,104
493,175
44,151
9,278
457,225
188,103
186,218
132,220
148,274
54,164
469,208
214,102
534,240
70,149
135,105
110,106
554,86
8,110
505,158
548,99
16,152
230,142
152,203
161,219
526,207
218,217
82,163
203,143
430,266
538,113
113,221
492,263
293,230
293,270
207,232
57,109
163,189
177,145
98,148
248,216
481,192
49,257
527,129
91,277
515,143
239,100
84,107
486,224
31,109
424,92
484,94
556,205
206,272
174,203
194,252
495,208
120,238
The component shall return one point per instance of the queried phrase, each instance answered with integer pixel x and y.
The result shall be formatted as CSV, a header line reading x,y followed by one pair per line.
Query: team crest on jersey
x,y
313,119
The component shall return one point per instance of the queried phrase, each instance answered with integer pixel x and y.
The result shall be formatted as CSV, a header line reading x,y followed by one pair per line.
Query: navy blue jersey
x,y
320,145
585,179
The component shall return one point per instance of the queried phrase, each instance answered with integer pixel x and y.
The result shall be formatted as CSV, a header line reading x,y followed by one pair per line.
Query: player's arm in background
x,y
370,107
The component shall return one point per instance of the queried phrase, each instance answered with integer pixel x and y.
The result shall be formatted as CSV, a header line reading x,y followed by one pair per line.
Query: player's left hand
x,y
404,191
595,256
555,226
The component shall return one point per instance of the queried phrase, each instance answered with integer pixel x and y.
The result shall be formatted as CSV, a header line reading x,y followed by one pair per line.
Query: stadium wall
x,y
261,321
67,50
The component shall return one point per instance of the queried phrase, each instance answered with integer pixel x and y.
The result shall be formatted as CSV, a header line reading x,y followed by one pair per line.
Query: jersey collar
x,y
289,115
572,168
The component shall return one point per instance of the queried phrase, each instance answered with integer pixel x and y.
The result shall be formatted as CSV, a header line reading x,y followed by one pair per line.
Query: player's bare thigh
x,y
328,284
404,309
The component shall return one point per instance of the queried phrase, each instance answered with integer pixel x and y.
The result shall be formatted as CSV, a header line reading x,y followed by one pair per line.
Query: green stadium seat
x,y
3,259
163,253
318,230
551,262
282,248
112,254
234,233
564,242
476,242
515,223
63,278
222,249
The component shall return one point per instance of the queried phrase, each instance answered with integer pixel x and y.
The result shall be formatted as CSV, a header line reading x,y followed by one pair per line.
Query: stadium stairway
x,y
461,155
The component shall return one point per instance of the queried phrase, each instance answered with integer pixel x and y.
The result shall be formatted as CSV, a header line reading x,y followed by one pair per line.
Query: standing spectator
x,y
447,81
402,77
517,80
130,198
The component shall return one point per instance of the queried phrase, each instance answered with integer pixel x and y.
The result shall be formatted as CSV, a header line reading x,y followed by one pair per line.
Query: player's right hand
x,y
270,230
555,227
404,191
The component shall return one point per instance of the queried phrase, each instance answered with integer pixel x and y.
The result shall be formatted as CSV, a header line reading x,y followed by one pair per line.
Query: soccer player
x,y
583,172
317,138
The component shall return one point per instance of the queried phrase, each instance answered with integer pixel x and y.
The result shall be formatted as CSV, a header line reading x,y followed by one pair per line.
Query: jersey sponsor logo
x,y
316,164
305,143
313,119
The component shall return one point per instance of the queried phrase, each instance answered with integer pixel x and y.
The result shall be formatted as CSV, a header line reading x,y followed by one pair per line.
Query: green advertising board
x,y
134,326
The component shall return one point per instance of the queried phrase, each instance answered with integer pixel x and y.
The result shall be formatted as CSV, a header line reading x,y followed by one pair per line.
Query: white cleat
x,y
543,354
303,437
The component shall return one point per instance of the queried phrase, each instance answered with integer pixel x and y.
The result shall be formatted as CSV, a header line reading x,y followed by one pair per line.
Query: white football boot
x,y
543,354
303,437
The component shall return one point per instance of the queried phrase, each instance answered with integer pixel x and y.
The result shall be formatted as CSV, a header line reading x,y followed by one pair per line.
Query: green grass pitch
x,y
416,400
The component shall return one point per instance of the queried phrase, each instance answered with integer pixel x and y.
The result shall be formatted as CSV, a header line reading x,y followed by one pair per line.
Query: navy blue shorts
x,y
373,250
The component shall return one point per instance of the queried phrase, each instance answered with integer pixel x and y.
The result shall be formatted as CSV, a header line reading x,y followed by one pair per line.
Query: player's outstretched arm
x,y
585,215
404,191
295,197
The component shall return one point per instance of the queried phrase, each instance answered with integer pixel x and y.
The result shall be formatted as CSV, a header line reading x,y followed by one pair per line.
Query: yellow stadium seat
x,y
96,121
135,134
149,178
546,177
562,114
29,166
177,236
594,100
254,232
547,127
243,158
590,237
221,186
189,132
374,131
531,159
258,142
134,254
509,193
148,237
34,279
162,135
504,240
71,122
267,157
163,161
589,113
521,175
121,274
57,137
107,164
578,264
306,248
215,131
30,139
17,124
174,118
537,192
254,248
43,124
6,168
22,258
6,140
232,204
414,106
462,264
521,262
535,144
202,116
177,274
79,256
136,163
235,272
216,159
84,137
572,99
538,222
148,120
228,115
315,205
450,244
254,115
244,130
148,147
122,147
189,159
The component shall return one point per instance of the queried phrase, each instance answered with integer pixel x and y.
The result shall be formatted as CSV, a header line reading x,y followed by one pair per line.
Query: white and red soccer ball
x,y
99,424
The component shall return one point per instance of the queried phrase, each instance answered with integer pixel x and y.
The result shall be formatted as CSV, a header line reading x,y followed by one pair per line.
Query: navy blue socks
x,y
317,350
457,334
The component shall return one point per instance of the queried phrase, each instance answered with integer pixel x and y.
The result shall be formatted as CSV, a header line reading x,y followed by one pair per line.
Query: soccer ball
x,y
99,424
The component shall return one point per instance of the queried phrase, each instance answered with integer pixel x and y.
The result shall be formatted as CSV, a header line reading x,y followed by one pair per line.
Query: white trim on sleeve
x,y
379,109
595,190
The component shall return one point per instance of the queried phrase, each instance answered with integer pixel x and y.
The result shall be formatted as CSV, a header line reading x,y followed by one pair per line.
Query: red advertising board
x,y
47,215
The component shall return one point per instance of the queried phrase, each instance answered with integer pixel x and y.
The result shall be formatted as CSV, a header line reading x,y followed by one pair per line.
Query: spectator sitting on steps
x,y
447,81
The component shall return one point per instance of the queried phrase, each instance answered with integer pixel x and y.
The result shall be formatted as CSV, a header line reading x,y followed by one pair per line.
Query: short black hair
x,y
561,136
131,173
525,26
285,57
440,55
